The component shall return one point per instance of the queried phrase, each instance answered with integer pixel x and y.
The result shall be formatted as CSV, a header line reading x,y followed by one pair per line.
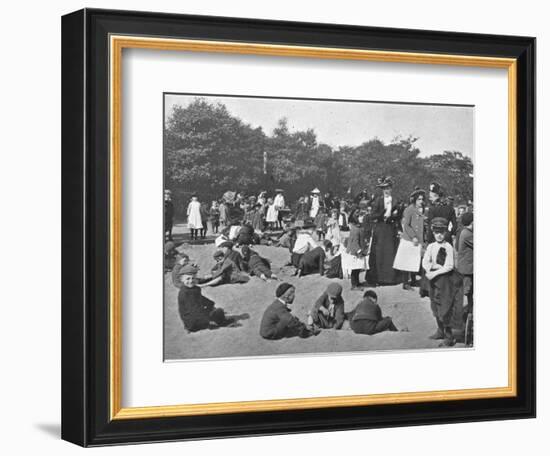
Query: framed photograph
x,y
268,227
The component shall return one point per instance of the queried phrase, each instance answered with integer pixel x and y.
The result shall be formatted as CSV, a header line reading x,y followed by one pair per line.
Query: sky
x,y
349,123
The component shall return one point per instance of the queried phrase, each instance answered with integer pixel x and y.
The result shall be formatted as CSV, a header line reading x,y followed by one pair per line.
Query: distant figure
x,y
321,223
315,203
332,228
279,202
272,214
168,215
214,217
194,219
224,214
367,317
278,321
328,310
196,311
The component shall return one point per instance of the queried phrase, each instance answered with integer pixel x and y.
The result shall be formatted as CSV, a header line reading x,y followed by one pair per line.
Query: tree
x,y
454,171
209,151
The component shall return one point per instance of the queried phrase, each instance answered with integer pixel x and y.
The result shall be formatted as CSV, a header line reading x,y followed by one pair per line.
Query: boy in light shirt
x,y
445,284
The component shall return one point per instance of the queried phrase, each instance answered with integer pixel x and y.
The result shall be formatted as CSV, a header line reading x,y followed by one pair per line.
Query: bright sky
x,y
345,123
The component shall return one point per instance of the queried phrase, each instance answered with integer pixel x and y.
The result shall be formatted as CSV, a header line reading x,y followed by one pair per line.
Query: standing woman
x,y
408,254
384,245
194,220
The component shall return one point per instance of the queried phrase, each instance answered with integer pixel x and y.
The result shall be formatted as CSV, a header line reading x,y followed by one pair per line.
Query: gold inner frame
x,y
117,44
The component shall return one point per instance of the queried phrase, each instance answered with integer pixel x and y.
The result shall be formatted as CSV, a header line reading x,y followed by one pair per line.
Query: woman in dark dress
x,y
385,214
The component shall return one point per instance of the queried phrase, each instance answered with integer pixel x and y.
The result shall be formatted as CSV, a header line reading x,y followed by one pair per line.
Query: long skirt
x,y
384,248
407,257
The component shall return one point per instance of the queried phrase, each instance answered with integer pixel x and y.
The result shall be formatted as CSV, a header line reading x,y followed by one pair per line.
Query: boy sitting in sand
x,y
367,317
196,311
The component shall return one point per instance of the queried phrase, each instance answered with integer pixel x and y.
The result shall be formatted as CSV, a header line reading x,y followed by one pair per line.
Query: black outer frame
x,y
85,227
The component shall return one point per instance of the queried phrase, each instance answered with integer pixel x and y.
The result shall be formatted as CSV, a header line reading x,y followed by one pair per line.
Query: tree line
x,y
210,151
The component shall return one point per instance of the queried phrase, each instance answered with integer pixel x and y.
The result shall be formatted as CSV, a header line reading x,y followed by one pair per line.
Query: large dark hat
x,y
282,289
436,188
228,244
440,223
384,182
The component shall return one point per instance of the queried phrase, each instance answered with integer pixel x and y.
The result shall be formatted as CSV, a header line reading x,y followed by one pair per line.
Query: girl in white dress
x,y
194,220
272,214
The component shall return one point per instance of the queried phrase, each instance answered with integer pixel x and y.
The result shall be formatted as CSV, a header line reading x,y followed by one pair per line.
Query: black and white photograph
x,y
316,226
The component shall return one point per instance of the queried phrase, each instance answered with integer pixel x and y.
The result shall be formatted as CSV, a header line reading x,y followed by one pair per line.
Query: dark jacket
x,y
465,257
441,209
378,210
337,320
367,309
194,308
313,261
277,322
168,211
356,241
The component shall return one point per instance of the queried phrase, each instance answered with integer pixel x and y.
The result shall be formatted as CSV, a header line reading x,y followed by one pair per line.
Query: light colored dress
x,y
272,214
314,206
333,231
194,220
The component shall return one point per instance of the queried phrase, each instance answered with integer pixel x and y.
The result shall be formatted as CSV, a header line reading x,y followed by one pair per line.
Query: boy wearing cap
x,y
196,311
367,317
278,321
328,310
445,288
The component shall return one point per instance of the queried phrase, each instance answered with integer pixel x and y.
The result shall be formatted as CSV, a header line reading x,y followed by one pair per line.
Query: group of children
x,y
446,270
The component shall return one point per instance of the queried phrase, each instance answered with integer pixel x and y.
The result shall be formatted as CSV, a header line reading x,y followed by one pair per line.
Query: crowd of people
x,y
425,244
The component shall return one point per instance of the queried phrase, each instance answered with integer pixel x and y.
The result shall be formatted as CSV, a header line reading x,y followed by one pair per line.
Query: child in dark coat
x,y
367,317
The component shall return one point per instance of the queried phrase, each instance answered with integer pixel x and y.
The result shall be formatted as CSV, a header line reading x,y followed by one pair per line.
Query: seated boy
x,y
196,311
328,310
278,322
224,272
367,317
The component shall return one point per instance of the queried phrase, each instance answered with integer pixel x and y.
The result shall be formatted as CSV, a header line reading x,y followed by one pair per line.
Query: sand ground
x,y
407,309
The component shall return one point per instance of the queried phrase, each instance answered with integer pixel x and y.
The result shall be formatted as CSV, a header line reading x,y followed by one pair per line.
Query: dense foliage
x,y
209,151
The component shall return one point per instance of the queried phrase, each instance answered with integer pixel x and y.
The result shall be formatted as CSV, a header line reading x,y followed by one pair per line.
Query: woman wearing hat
x,y
407,258
314,203
384,244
